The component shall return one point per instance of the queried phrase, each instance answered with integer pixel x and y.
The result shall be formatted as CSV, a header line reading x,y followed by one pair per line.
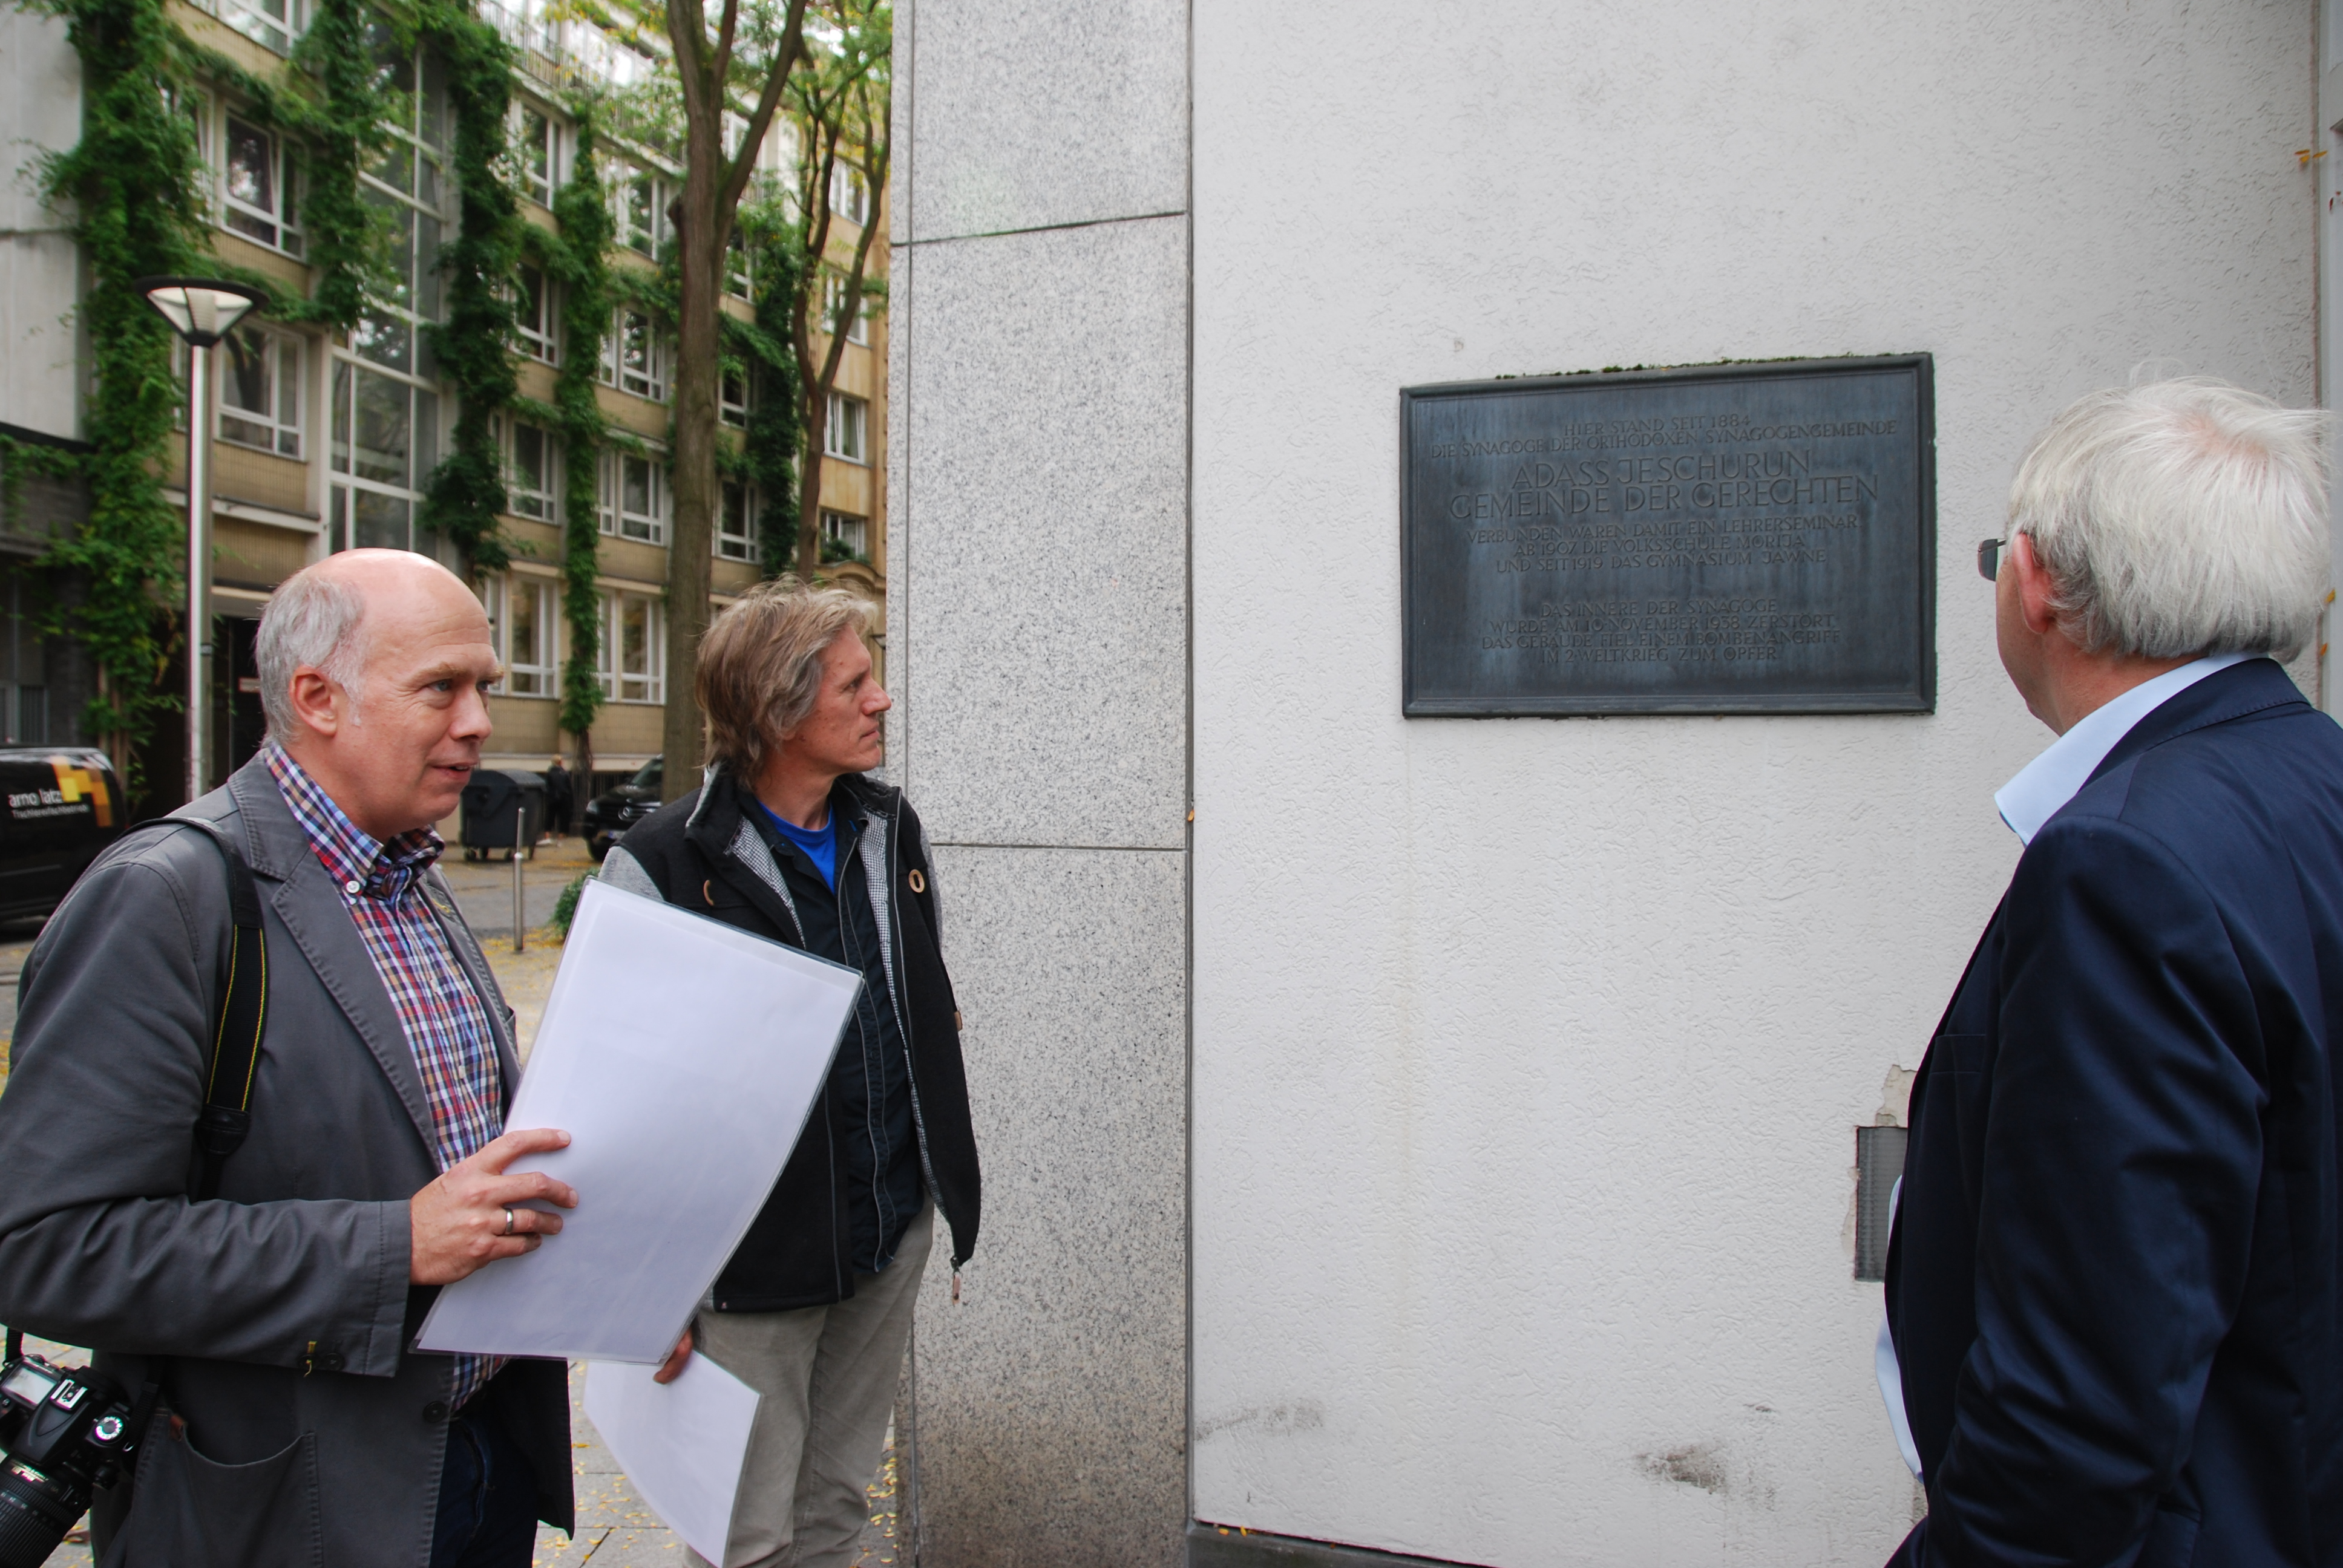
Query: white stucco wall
x,y
1527,1054
40,389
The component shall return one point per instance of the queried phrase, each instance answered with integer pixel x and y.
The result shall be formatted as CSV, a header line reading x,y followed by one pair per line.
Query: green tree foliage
x,y
577,258
130,187
466,491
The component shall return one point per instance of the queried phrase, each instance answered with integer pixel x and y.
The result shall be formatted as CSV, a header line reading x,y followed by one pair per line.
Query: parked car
x,y
63,806
610,814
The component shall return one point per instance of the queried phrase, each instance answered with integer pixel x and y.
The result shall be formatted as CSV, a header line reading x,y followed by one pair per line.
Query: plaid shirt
x,y
446,1026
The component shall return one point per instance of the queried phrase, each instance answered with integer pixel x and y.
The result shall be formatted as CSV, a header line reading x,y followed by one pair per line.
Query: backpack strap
x,y
243,1017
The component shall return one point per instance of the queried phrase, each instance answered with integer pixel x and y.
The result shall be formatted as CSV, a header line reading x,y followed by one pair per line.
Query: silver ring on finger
x,y
508,1222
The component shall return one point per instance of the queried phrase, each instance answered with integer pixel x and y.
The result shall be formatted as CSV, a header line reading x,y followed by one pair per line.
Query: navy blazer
x,y
2114,1280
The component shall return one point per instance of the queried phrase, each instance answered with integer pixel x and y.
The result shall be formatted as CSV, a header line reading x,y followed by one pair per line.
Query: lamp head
x,y
202,310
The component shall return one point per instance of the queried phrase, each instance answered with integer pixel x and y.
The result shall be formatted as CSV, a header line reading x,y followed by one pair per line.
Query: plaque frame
x,y
1920,698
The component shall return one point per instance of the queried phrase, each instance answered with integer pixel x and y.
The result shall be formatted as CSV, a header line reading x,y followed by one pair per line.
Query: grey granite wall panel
x,y
1051,1409
1045,622
1046,111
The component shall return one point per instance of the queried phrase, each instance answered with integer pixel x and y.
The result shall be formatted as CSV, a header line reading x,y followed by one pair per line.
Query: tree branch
x,y
784,57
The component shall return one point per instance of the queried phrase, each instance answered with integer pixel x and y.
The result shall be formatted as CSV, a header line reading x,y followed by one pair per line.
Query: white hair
x,y
312,619
2180,518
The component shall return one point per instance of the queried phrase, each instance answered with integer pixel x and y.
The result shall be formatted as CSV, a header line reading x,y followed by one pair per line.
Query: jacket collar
x,y
717,814
2255,686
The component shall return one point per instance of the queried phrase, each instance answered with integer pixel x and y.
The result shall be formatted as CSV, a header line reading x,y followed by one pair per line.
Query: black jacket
x,y
2117,1278
701,853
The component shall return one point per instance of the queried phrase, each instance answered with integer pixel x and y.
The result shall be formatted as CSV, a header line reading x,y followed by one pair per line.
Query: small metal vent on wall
x,y
1878,1162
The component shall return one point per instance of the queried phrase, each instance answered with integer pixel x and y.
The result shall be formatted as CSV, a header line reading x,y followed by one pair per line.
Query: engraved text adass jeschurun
x,y
1714,540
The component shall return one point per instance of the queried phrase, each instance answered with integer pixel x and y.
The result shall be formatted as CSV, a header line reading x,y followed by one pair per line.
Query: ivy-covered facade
x,y
465,354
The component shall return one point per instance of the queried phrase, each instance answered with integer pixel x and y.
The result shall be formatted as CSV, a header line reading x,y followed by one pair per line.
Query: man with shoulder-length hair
x,y
270,1298
791,838
2115,1294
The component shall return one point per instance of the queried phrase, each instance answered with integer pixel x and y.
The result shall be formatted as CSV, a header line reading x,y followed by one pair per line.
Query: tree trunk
x,y
701,231
817,431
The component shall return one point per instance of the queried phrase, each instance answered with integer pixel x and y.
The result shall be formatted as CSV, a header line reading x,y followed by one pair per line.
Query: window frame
x,y
833,295
860,525
841,404
649,684
517,492
729,545
848,181
652,385
274,428
612,518
538,677
529,150
539,339
282,222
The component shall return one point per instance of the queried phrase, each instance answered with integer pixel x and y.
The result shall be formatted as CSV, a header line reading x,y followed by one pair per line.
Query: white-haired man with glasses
x,y
2115,1293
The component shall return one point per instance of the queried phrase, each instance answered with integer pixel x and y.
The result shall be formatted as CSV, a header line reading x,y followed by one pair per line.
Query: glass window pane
x,y
379,522
384,427
251,166
343,371
384,339
635,497
248,382
529,456
426,267
634,636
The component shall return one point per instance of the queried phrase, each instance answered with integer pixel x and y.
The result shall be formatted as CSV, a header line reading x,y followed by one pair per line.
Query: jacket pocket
x,y
192,1512
1956,1053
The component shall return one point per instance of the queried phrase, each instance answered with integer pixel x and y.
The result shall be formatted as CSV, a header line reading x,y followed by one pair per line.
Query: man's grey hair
x,y
2180,518
314,619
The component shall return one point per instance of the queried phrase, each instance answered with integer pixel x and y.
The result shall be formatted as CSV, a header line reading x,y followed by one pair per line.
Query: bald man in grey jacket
x,y
297,1423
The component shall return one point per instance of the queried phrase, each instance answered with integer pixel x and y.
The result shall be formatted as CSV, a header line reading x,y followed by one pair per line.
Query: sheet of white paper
x,y
681,1443
682,1057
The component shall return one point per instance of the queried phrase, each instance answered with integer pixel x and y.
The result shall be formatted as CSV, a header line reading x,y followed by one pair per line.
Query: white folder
x,y
683,1057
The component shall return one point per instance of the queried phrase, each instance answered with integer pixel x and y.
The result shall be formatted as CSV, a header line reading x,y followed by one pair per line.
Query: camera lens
x,y
35,1515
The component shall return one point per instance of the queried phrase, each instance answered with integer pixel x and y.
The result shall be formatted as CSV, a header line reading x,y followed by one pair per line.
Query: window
x,y
632,661
634,498
385,441
407,184
260,391
533,315
833,302
523,618
735,525
533,475
634,357
24,682
533,156
844,436
639,203
272,24
732,396
849,193
258,196
844,538
740,280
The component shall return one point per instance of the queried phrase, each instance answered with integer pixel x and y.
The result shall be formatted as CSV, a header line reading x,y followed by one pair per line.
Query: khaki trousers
x,y
828,1375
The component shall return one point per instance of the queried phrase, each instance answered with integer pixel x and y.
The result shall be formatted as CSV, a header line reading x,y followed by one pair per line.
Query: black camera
x,y
68,1430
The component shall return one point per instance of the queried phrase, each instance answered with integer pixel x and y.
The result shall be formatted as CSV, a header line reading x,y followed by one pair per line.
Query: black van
x,y
64,805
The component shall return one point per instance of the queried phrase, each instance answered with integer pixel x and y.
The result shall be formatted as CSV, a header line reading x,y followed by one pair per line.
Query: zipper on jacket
x,y
903,1027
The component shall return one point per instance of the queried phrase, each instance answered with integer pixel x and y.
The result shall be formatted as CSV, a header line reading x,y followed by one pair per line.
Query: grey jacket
x,y
277,1317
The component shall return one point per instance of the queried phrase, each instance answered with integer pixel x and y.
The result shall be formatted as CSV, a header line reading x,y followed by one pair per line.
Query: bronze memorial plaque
x,y
1720,538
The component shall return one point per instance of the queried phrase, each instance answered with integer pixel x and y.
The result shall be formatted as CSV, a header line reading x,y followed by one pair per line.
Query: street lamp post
x,y
201,310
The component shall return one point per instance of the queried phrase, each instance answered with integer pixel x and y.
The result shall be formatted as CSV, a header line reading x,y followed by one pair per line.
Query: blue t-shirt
x,y
820,844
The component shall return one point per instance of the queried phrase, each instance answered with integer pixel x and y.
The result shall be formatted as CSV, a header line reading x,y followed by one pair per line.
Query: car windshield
x,y
647,777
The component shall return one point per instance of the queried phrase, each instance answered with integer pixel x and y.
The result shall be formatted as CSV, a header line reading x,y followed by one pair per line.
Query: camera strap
x,y
226,1115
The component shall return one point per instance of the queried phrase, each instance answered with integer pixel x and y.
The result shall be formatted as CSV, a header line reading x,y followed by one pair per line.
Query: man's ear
x,y
2037,596
319,706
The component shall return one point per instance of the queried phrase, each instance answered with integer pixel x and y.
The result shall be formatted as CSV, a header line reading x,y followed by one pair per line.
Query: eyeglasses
x,y
1989,558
